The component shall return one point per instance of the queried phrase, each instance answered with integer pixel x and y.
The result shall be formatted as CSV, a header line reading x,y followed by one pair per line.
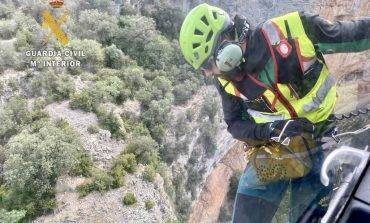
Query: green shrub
x,y
118,173
136,31
101,181
133,77
183,206
161,86
157,113
33,162
9,58
208,138
63,87
24,40
144,148
194,157
194,178
210,107
127,9
13,84
165,171
28,23
130,121
13,116
169,152
6,11
182,146
149,204
49,84
13,216
157,54
181,126
190,114
101,5
96,25
184,91
114,57
84,166
82,101
129,199
85,189
170,220
108,89
145,96
140,130
158,132
2,86
93,129
39,104
168,18
149,173
113,123
126,161
61,123
94,54
8,29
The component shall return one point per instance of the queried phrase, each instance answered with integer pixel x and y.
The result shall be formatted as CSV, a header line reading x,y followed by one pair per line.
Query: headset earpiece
x,y
229,56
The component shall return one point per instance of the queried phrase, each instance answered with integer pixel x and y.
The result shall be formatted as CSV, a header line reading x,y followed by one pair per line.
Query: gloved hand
x,y
294,128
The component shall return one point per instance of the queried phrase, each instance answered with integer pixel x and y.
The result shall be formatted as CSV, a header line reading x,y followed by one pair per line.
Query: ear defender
x,y
229,57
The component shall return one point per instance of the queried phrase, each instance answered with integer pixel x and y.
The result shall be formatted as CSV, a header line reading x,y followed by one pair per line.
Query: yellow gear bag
x,y
273,161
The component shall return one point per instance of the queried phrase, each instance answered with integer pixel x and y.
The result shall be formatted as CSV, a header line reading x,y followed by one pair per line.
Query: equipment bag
x,y
273,161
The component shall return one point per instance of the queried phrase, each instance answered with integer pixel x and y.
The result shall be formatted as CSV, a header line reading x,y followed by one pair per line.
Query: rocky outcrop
x,y
100,146
346,63
352,70
255,10
215,189
108,207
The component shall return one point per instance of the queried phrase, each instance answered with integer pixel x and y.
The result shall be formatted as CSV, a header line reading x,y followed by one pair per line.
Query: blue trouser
x,y
259,203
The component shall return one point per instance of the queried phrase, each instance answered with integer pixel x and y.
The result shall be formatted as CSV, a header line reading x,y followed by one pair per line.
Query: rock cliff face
x,y
353,66
348,66
255,10
216,186
348,63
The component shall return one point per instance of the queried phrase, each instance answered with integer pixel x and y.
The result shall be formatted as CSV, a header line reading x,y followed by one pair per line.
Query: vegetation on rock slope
x,y
130,54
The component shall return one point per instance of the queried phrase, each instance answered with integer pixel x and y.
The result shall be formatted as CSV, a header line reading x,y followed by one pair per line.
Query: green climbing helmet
x,y
200,31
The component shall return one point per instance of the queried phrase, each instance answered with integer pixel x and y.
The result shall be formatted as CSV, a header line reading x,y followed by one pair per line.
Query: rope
x,y
349,115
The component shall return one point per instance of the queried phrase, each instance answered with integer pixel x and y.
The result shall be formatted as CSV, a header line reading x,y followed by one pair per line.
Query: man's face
x,y
211,71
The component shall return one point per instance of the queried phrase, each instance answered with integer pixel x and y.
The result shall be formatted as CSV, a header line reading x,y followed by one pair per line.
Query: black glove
x,y
294,128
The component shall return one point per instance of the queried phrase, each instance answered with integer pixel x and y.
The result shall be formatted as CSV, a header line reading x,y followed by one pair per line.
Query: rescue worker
x,y
275,87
